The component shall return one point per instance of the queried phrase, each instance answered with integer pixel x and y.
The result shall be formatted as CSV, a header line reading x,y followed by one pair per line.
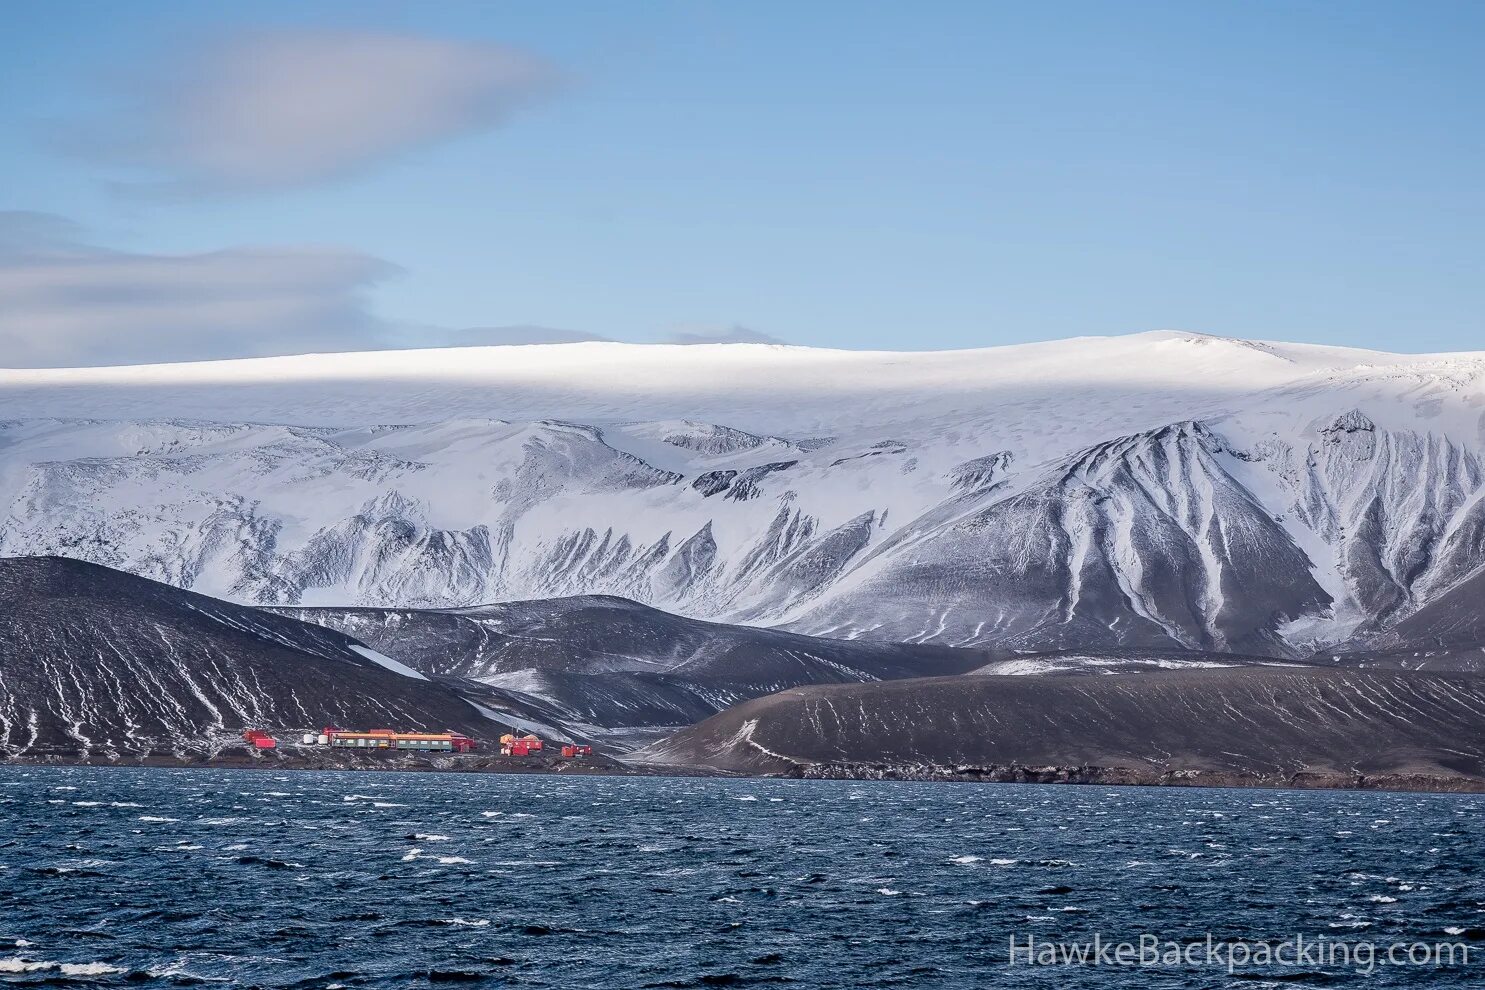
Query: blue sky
x,y
852,174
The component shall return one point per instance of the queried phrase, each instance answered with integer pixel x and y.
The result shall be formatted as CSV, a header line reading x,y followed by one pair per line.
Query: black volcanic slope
x,y
611,662
1237,725
1446,634
96,662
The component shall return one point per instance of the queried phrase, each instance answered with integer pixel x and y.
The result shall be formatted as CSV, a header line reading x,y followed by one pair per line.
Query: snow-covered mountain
x,y
1155,491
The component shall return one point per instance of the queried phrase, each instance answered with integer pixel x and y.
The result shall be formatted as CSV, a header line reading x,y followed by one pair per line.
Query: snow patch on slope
x,y
383,660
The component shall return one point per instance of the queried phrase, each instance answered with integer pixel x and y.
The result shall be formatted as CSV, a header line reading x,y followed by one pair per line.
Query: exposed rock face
x,y
95,663
613,663
1247,725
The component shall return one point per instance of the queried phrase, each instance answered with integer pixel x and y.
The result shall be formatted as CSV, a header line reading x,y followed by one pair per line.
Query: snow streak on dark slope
x,y
95,662
1141,541
611,662
1397,512
1446,634
1078,663
1253,724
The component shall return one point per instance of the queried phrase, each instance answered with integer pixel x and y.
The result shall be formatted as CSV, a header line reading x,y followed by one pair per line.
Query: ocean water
x,y
133,877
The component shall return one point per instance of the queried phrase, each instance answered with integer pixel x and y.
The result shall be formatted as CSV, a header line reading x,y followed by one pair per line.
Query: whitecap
x,y
966,860
89,969
17,964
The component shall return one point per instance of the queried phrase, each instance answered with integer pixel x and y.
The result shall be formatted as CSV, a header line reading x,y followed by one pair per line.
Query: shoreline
x,y
350,761
607,767
1305,780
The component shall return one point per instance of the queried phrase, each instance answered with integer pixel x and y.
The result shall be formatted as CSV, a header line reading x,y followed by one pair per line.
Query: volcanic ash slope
x,y
1247,725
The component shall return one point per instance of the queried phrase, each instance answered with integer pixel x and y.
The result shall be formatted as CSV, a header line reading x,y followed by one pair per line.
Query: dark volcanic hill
x,y
1254,725
611,662
95,662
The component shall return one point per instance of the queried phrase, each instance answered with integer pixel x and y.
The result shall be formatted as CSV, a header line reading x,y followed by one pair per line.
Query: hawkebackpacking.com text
x,y
1235,955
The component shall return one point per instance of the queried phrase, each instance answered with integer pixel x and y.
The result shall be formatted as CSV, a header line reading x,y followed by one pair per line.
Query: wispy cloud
x,y
284,109
66,302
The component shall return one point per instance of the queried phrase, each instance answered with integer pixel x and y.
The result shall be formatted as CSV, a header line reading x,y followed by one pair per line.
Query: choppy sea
x,y
155,877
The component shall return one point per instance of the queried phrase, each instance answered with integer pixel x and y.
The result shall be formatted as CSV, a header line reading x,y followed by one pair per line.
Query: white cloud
x,y
64,302
282,109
